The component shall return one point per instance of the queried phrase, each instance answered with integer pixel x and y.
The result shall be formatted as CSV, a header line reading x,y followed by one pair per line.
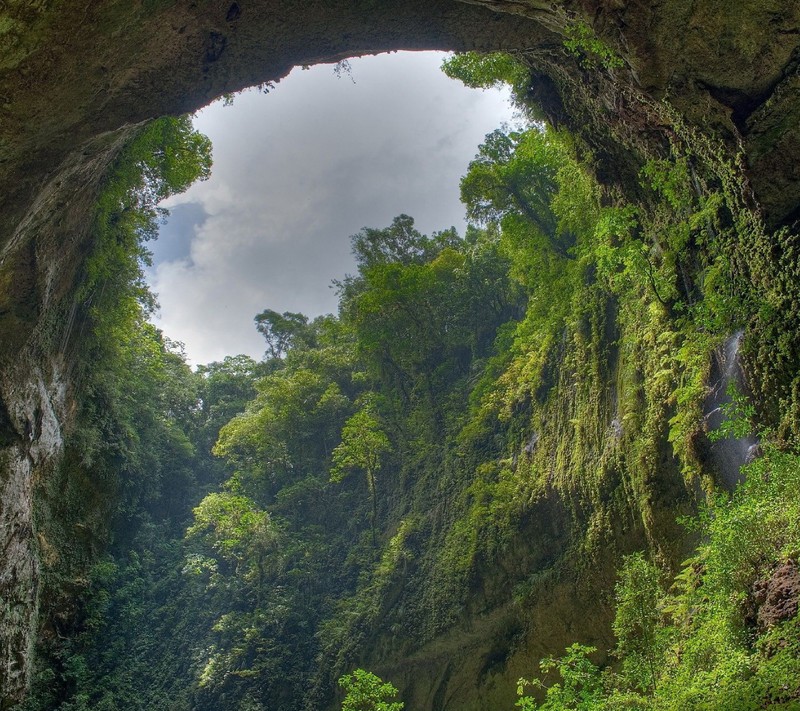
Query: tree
x,y
516,174
363,444
419,323
638,623
224,388
238,535
281,331
487,71
368,692
580,688
400,243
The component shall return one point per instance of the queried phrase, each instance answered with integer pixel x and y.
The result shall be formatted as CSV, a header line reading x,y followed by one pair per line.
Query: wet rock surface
x,y
727,455
775,599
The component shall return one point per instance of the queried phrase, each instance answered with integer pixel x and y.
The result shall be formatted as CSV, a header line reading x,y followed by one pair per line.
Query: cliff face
x,y
38,407
76,79
38,269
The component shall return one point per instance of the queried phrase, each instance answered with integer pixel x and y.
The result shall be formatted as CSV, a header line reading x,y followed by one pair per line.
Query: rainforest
x,y
549,463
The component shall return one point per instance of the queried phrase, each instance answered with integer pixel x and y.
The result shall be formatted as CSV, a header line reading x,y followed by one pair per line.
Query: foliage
x,y
136,393
362,447
580,688
739,415
638,621
131,465
582,42
513,173
485,71
400,243
233,528
223,390
280,330
367,692
423,311
163,159
700,646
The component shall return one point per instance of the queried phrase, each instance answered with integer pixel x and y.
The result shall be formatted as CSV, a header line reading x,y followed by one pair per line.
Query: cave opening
x,y
77,80
298,169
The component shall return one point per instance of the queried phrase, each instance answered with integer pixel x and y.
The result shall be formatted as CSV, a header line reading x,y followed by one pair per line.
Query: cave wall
x,y
76,79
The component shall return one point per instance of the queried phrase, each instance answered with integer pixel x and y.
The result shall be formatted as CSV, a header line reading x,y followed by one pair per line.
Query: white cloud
x,y
296,172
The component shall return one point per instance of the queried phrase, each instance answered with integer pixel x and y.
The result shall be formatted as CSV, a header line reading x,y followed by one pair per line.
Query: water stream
x,y
727,455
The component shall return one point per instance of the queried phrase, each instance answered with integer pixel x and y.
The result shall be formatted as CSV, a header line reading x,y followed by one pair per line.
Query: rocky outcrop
x,y
76,78
34,443
39,265
775,599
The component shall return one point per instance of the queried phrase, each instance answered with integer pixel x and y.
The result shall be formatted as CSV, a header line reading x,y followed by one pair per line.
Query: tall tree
x,y
281,331
363,445
400,243
515,175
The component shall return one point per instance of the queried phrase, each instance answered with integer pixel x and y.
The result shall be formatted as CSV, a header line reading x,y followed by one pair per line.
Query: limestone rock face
x,y
38,268
33,442
76,78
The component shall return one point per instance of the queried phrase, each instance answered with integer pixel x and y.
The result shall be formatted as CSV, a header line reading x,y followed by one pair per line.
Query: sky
x,y
299,170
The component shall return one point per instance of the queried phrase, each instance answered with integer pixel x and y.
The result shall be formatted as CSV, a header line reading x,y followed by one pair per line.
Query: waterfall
x,y
727,456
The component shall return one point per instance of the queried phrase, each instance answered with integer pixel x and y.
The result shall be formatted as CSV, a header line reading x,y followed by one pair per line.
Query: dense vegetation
x,y
488,416
725,633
